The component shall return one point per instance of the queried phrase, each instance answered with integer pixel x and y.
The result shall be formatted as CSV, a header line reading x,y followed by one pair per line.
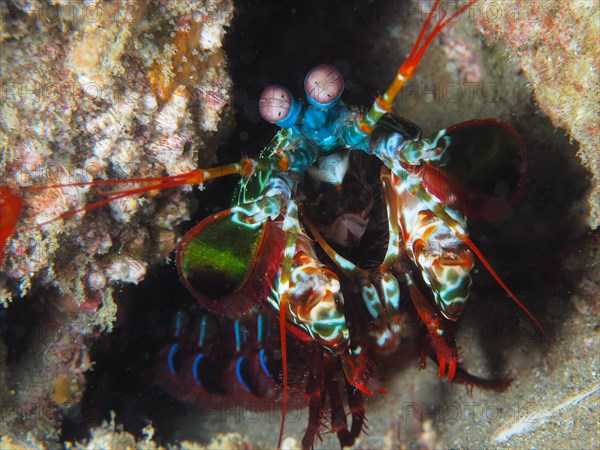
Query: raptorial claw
x,y
452,368
446,360
442,366
357,371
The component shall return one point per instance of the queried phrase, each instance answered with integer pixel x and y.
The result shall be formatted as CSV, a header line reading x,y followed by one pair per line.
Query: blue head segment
x,y
277,106
324,85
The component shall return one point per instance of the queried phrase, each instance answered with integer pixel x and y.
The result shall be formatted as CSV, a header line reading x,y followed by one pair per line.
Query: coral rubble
x,y
556,44
80,103
110,435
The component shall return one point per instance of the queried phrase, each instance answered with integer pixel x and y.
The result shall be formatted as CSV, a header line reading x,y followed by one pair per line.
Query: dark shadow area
x,y
528,248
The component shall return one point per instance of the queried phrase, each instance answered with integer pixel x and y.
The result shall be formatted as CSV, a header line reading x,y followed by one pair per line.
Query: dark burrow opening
x,y
278,42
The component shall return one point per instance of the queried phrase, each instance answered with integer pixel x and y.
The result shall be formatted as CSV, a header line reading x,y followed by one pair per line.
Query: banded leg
x,y
246,168
458,231
357,409
368,291
322,383
389,283
339,424
384,103
446,353
378,306
432,244
357,364
441,346
315,304
291,228
347,436
314,390
308,297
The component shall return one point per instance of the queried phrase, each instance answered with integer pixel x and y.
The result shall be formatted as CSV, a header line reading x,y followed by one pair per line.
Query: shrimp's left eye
x,y
275,103
324,85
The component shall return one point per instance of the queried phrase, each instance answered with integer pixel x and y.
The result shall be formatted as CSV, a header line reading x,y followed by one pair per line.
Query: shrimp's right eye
x,y
324,85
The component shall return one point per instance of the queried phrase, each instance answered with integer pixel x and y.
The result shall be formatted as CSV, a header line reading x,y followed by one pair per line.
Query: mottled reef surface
x,y
104,90
95,90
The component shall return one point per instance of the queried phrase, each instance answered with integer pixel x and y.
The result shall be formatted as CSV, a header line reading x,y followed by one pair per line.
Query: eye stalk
x,y
276,105
324,85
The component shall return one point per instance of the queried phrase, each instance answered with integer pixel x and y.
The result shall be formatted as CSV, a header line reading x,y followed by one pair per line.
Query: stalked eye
x,y
324,84
275,103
